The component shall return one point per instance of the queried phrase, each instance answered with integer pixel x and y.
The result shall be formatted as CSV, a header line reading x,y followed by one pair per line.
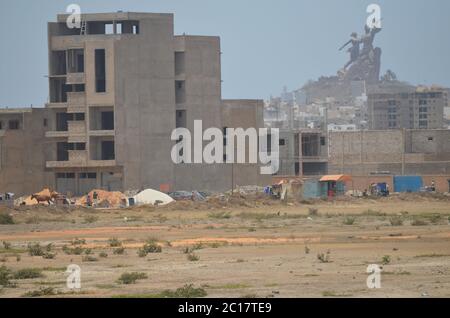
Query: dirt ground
x,y
241,247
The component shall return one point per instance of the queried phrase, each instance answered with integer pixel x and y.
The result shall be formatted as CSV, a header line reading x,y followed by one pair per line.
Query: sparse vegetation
x,y
114,242
187,291
89,258
131,278
396,221
77,250
90,219
307,249
418,222
432,255
6,245
324,257
6,219
313,212
435,219
103,255
386,260
329,293
150,247
35,249
119,251
28,273
43,291
371,212
220,215
78,241
5,277
349,220
49,255
192,257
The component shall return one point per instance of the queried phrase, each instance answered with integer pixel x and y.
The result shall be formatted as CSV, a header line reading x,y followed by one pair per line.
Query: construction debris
x,y
187,195
104,199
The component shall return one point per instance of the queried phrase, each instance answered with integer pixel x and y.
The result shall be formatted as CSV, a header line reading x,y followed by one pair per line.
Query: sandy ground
x,y
244,249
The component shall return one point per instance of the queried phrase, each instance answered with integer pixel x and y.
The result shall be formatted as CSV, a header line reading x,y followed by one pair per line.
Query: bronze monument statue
x,y
364,65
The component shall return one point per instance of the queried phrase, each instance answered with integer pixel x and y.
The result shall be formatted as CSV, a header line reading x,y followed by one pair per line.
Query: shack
x,y
334,185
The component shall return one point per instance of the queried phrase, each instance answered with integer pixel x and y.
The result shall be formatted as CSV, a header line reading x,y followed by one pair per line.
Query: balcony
x,y
75,78
78,163
57,134
100,133
76,99
56,105
76,131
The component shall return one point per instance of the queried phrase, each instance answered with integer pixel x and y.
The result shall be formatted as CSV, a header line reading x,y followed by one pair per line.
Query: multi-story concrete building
x,y
303,152
413,108
118,87
22,150
397,152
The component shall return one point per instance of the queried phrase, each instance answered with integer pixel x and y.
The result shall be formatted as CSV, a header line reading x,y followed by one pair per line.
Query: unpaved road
x,y
241,251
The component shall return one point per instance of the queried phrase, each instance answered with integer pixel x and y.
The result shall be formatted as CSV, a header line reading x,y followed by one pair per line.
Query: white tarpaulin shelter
x,y
153,197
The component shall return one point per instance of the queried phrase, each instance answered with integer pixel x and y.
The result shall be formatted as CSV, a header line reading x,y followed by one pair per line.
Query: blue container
x,y
407,183
313,189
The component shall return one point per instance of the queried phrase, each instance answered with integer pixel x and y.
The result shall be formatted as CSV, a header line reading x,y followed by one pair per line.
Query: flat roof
x,y
114,16
15,110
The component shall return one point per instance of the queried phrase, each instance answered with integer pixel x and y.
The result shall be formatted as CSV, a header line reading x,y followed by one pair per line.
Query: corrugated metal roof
x,y
336,178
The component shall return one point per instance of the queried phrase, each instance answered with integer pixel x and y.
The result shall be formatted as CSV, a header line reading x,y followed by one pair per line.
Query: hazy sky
x,y
266,44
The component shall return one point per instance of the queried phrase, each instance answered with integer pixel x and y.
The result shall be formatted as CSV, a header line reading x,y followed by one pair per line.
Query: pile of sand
x,y
104,199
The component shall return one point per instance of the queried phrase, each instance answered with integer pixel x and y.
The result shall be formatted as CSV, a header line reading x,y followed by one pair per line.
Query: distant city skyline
x,y
266,44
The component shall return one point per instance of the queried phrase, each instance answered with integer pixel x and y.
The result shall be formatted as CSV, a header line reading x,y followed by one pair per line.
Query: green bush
x,y
349,220
148,248
114,242
187,291
5,277
78,241
28,273
131,278
73,251
6,219
35,249
119,251
49,255
44,291
386,259
103,255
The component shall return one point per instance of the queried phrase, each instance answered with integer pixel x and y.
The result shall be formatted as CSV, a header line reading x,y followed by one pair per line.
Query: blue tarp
x,y
407,183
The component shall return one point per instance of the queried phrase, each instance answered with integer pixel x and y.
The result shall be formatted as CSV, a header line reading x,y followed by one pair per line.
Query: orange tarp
x,y
336,178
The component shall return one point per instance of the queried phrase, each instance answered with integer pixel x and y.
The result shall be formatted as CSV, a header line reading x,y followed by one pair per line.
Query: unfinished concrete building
x,y
118,87
396,152
22,151
303,152
408,107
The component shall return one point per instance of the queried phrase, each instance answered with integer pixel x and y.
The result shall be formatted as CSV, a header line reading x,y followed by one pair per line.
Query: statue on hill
x,y
364,65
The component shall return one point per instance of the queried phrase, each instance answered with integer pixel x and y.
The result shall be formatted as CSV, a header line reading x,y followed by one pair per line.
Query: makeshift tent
x,y
153,197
